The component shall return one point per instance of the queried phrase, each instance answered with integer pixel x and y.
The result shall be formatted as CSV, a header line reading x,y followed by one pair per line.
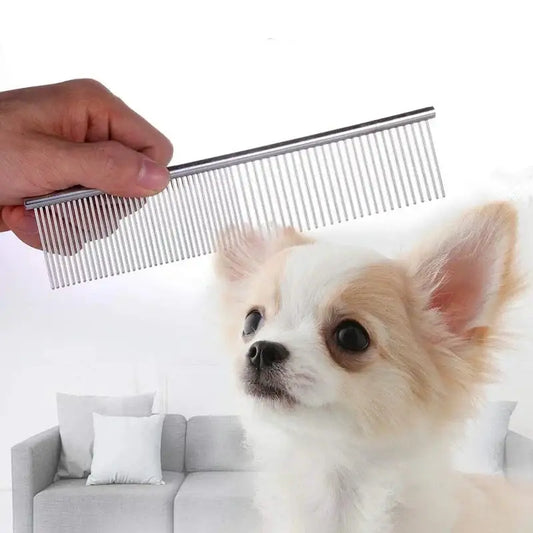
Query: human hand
x,y
73,133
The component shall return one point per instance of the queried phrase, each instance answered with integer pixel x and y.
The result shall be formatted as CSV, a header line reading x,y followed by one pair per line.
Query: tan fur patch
x,y
374,298
444,371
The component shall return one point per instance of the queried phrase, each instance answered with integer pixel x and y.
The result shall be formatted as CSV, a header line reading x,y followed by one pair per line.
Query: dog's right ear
x,y
470,272
240,252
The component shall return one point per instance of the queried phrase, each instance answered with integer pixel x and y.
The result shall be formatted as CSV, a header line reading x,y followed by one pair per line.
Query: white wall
x,y
220,76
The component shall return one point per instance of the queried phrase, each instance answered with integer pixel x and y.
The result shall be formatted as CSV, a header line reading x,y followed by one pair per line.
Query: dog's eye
x,y
252,322
351,336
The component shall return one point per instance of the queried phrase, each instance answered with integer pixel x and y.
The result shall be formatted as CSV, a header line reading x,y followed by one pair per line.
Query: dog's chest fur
x,y
309,485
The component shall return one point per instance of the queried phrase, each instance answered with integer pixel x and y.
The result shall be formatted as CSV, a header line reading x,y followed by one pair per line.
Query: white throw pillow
x,y
127,449
75,416
482,449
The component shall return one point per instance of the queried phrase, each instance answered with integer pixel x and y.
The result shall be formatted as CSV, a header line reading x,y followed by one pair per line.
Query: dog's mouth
x,y
266,385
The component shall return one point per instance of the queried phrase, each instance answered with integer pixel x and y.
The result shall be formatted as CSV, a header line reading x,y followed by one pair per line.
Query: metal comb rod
x,y
308,182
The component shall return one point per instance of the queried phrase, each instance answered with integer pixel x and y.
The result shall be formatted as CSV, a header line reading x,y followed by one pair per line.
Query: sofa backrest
x,y
216,443
173,443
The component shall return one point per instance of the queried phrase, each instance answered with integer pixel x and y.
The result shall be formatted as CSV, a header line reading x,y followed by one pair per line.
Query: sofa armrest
x,y
518,457
33,467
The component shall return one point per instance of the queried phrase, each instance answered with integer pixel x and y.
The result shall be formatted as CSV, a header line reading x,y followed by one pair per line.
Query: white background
x,y
222,76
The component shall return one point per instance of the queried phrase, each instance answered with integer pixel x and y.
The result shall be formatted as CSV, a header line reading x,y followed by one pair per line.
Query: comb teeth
x,y
305,186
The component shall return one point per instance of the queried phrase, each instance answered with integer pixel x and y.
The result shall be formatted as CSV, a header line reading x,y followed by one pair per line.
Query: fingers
x,y
85,110
22,223
77,133
132,130
110,167
133,160
107,117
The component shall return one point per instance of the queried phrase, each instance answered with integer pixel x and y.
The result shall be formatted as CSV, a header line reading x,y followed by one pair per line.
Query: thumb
x,y
110,167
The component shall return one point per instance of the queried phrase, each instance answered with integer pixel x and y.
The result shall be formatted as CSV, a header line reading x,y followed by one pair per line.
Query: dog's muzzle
x,y
263,374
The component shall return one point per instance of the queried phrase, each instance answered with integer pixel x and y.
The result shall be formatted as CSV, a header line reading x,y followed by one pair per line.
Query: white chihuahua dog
x,y
359,370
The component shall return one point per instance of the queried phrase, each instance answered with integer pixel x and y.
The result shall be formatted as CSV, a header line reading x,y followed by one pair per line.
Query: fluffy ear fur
x,y
242,252
469,273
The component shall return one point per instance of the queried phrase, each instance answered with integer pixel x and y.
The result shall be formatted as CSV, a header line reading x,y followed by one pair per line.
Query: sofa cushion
x,y
173,443
216,443
216,502
68,505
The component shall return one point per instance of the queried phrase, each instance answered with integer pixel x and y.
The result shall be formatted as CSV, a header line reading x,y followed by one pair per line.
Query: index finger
x,y
124,125
129,128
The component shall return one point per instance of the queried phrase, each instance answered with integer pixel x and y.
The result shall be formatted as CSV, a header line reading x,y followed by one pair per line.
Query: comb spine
x,y
245,156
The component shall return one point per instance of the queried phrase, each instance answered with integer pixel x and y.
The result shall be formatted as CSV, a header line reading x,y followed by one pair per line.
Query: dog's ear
x,y
469,271
240,252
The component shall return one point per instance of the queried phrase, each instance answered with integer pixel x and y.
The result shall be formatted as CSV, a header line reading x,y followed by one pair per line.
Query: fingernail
x,y
152,177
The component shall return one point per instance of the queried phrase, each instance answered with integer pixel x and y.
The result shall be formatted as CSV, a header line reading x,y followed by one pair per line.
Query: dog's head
x,y
317,326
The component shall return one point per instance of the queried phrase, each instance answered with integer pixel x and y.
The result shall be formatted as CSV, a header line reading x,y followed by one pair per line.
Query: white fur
x,y
318,477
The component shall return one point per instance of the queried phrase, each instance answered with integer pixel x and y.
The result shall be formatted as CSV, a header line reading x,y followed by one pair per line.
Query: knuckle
x,y
89,84
85,89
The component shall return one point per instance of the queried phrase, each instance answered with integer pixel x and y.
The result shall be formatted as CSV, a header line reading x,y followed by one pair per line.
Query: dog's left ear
x,y
240,252
469,272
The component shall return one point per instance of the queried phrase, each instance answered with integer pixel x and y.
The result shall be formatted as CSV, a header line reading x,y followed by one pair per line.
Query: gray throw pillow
x,y
75,416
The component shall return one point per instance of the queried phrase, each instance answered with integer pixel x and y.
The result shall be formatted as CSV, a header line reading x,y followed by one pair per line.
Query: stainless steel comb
x,y
306,183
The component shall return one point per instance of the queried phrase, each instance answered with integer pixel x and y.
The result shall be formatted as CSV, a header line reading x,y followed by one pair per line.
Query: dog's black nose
x,y
263,354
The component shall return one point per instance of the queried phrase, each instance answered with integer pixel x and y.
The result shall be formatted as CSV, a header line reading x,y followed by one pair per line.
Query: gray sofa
x,y
209,484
